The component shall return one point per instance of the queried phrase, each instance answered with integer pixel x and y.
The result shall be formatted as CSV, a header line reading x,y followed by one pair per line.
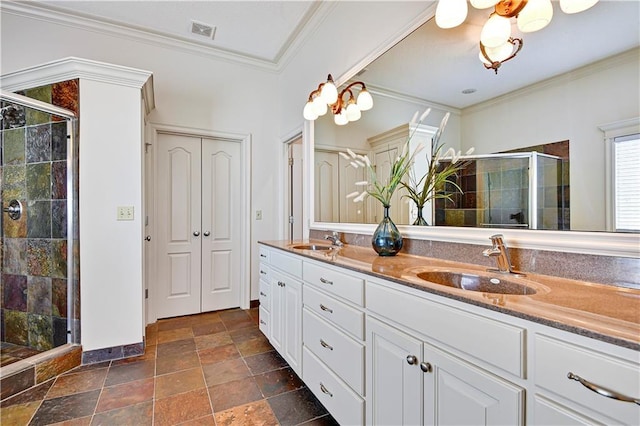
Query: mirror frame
x,y
584,242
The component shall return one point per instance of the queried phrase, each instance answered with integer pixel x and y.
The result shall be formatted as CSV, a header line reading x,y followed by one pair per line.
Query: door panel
x,y
179,216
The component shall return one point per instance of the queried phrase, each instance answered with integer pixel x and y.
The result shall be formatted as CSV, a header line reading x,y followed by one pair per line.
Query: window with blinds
x,y
626,173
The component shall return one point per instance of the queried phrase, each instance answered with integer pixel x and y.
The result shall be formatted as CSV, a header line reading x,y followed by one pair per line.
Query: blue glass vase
x,y
386,240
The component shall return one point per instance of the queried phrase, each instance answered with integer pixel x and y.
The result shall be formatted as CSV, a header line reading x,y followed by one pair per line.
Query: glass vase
x,y
386,240
420,221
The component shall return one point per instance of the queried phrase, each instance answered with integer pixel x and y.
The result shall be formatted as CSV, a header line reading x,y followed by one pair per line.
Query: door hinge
x,y
291,161
146,293
291,219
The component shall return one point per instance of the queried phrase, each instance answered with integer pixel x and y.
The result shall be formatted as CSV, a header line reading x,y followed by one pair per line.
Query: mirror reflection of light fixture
x,y
326,97
495,38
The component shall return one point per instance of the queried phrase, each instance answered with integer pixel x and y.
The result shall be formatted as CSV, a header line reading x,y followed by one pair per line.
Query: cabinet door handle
x,y
262,322
263,255
325,281
326,345
196,233
412,359
325,390
263,294
206,233
263,272
602,390
426,367
280,283
324,308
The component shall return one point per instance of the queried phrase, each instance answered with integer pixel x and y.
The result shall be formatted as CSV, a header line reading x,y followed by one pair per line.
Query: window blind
x,y
627,182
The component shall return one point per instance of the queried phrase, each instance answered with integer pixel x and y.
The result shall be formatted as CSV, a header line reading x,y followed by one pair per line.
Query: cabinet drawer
x,y
264,322
344,316
335,282
264,254
487,340
265,295
554,359
287,263
343,404
264,271
339,352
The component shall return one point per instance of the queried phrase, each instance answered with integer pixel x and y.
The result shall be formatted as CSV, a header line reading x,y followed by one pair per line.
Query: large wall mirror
x,y
571,87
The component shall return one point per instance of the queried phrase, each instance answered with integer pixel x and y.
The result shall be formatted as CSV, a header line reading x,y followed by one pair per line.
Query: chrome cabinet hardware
x,y
147,238
412,359
324,308
602,390
196,233
206,233
325,390
325,281
426,367
280,283
326,345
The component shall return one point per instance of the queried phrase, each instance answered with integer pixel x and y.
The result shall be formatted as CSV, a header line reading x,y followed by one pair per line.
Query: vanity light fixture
x,y
496,43
326,97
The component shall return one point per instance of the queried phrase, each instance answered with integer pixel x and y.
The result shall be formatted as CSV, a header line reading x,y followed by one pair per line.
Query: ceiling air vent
x,y
202,29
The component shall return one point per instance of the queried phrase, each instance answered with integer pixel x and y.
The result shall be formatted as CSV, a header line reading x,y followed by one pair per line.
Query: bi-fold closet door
x,y
198,222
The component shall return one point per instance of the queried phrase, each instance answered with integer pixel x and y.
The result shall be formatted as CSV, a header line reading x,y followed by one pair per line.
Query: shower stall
x,y
39,222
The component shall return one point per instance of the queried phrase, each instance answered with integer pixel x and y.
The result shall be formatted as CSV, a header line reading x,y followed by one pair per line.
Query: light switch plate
x,y
125,213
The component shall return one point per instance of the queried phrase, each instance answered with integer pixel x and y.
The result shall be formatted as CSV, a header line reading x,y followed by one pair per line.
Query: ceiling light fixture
x,y
496,43
326,96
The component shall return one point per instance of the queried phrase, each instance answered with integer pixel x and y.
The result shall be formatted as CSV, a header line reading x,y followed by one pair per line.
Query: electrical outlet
x,y
258,214
125,213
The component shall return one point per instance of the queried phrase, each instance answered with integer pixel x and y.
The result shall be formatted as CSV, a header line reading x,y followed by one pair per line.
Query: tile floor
x,y
10,353
213,368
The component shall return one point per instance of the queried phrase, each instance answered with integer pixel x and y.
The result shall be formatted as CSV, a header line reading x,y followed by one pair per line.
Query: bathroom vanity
x,y
378,341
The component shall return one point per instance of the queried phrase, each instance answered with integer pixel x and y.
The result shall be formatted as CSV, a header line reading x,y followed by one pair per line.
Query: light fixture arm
x,y
494,65
337,107
323,97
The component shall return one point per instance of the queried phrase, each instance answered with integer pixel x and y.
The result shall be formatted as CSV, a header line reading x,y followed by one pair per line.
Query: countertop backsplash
x,y
610,270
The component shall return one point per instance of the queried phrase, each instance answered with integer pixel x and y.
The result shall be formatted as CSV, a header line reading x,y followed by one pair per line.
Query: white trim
x,y
245,226
72,67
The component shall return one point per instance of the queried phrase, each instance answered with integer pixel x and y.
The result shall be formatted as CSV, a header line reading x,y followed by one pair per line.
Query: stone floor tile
x,y
208,328
255,413
231,394
182,407
213,340
278,381
266,361
175,347
77,383
225,371
138,415
18,414
130,393
293,408
218,354
177,362
254,346
129,372
66,408
174,334
180,382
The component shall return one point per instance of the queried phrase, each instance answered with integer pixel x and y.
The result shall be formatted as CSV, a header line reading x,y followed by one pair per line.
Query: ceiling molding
x,y
63,17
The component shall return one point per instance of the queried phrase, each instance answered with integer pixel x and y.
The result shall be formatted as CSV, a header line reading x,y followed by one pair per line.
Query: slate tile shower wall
x,y
33,253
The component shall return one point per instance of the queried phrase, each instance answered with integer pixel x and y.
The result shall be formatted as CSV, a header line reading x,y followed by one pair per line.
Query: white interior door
x,y
221,167
178,185
326,187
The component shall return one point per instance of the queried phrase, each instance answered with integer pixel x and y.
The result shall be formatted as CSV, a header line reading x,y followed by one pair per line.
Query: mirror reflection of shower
x,y
39,224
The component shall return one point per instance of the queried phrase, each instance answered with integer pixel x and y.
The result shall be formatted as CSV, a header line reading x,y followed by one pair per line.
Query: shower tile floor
x,y
209,369
10,353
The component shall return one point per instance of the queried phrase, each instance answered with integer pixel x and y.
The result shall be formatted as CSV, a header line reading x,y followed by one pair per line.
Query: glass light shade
x,y
329,93
496,31
535,16
341,119
451,13
497,54
319,106
483,4
575,6
365,101
353,112
308,112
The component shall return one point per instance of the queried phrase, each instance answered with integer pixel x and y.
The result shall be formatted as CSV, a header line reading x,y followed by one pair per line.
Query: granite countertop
x,y
599,311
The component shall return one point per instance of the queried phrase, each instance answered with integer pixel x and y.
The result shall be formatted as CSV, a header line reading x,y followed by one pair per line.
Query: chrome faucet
x,y
334,238
500,252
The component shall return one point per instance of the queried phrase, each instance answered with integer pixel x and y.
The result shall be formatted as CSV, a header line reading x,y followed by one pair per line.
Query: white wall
x,y
570,107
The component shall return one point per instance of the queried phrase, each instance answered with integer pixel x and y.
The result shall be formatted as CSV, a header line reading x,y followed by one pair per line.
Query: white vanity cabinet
x,y
333,333
412,378
264,284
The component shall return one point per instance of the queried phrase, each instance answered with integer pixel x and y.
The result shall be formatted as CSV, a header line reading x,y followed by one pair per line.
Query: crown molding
x,y
72,68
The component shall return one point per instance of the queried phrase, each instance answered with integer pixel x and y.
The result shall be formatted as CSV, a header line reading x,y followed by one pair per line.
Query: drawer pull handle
x,y
263,272
325,281
601,390
426,367
326,345
324,308
263,255
412,360
262,322
263,294
325,390
280,283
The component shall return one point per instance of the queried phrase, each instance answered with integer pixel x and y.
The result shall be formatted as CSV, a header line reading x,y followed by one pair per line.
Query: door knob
x,y
426,367
206,233
147,238
412,359
196,233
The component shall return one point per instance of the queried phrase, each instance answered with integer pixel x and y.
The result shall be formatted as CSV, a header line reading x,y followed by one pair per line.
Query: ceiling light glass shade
x,y
365,101
329,93
496,31
341,119
308,112
451,13
483,4
353,112
536,15
319,106
575,6
497,54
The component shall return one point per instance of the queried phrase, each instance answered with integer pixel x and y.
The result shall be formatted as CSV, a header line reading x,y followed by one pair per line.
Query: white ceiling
x,y
432,64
